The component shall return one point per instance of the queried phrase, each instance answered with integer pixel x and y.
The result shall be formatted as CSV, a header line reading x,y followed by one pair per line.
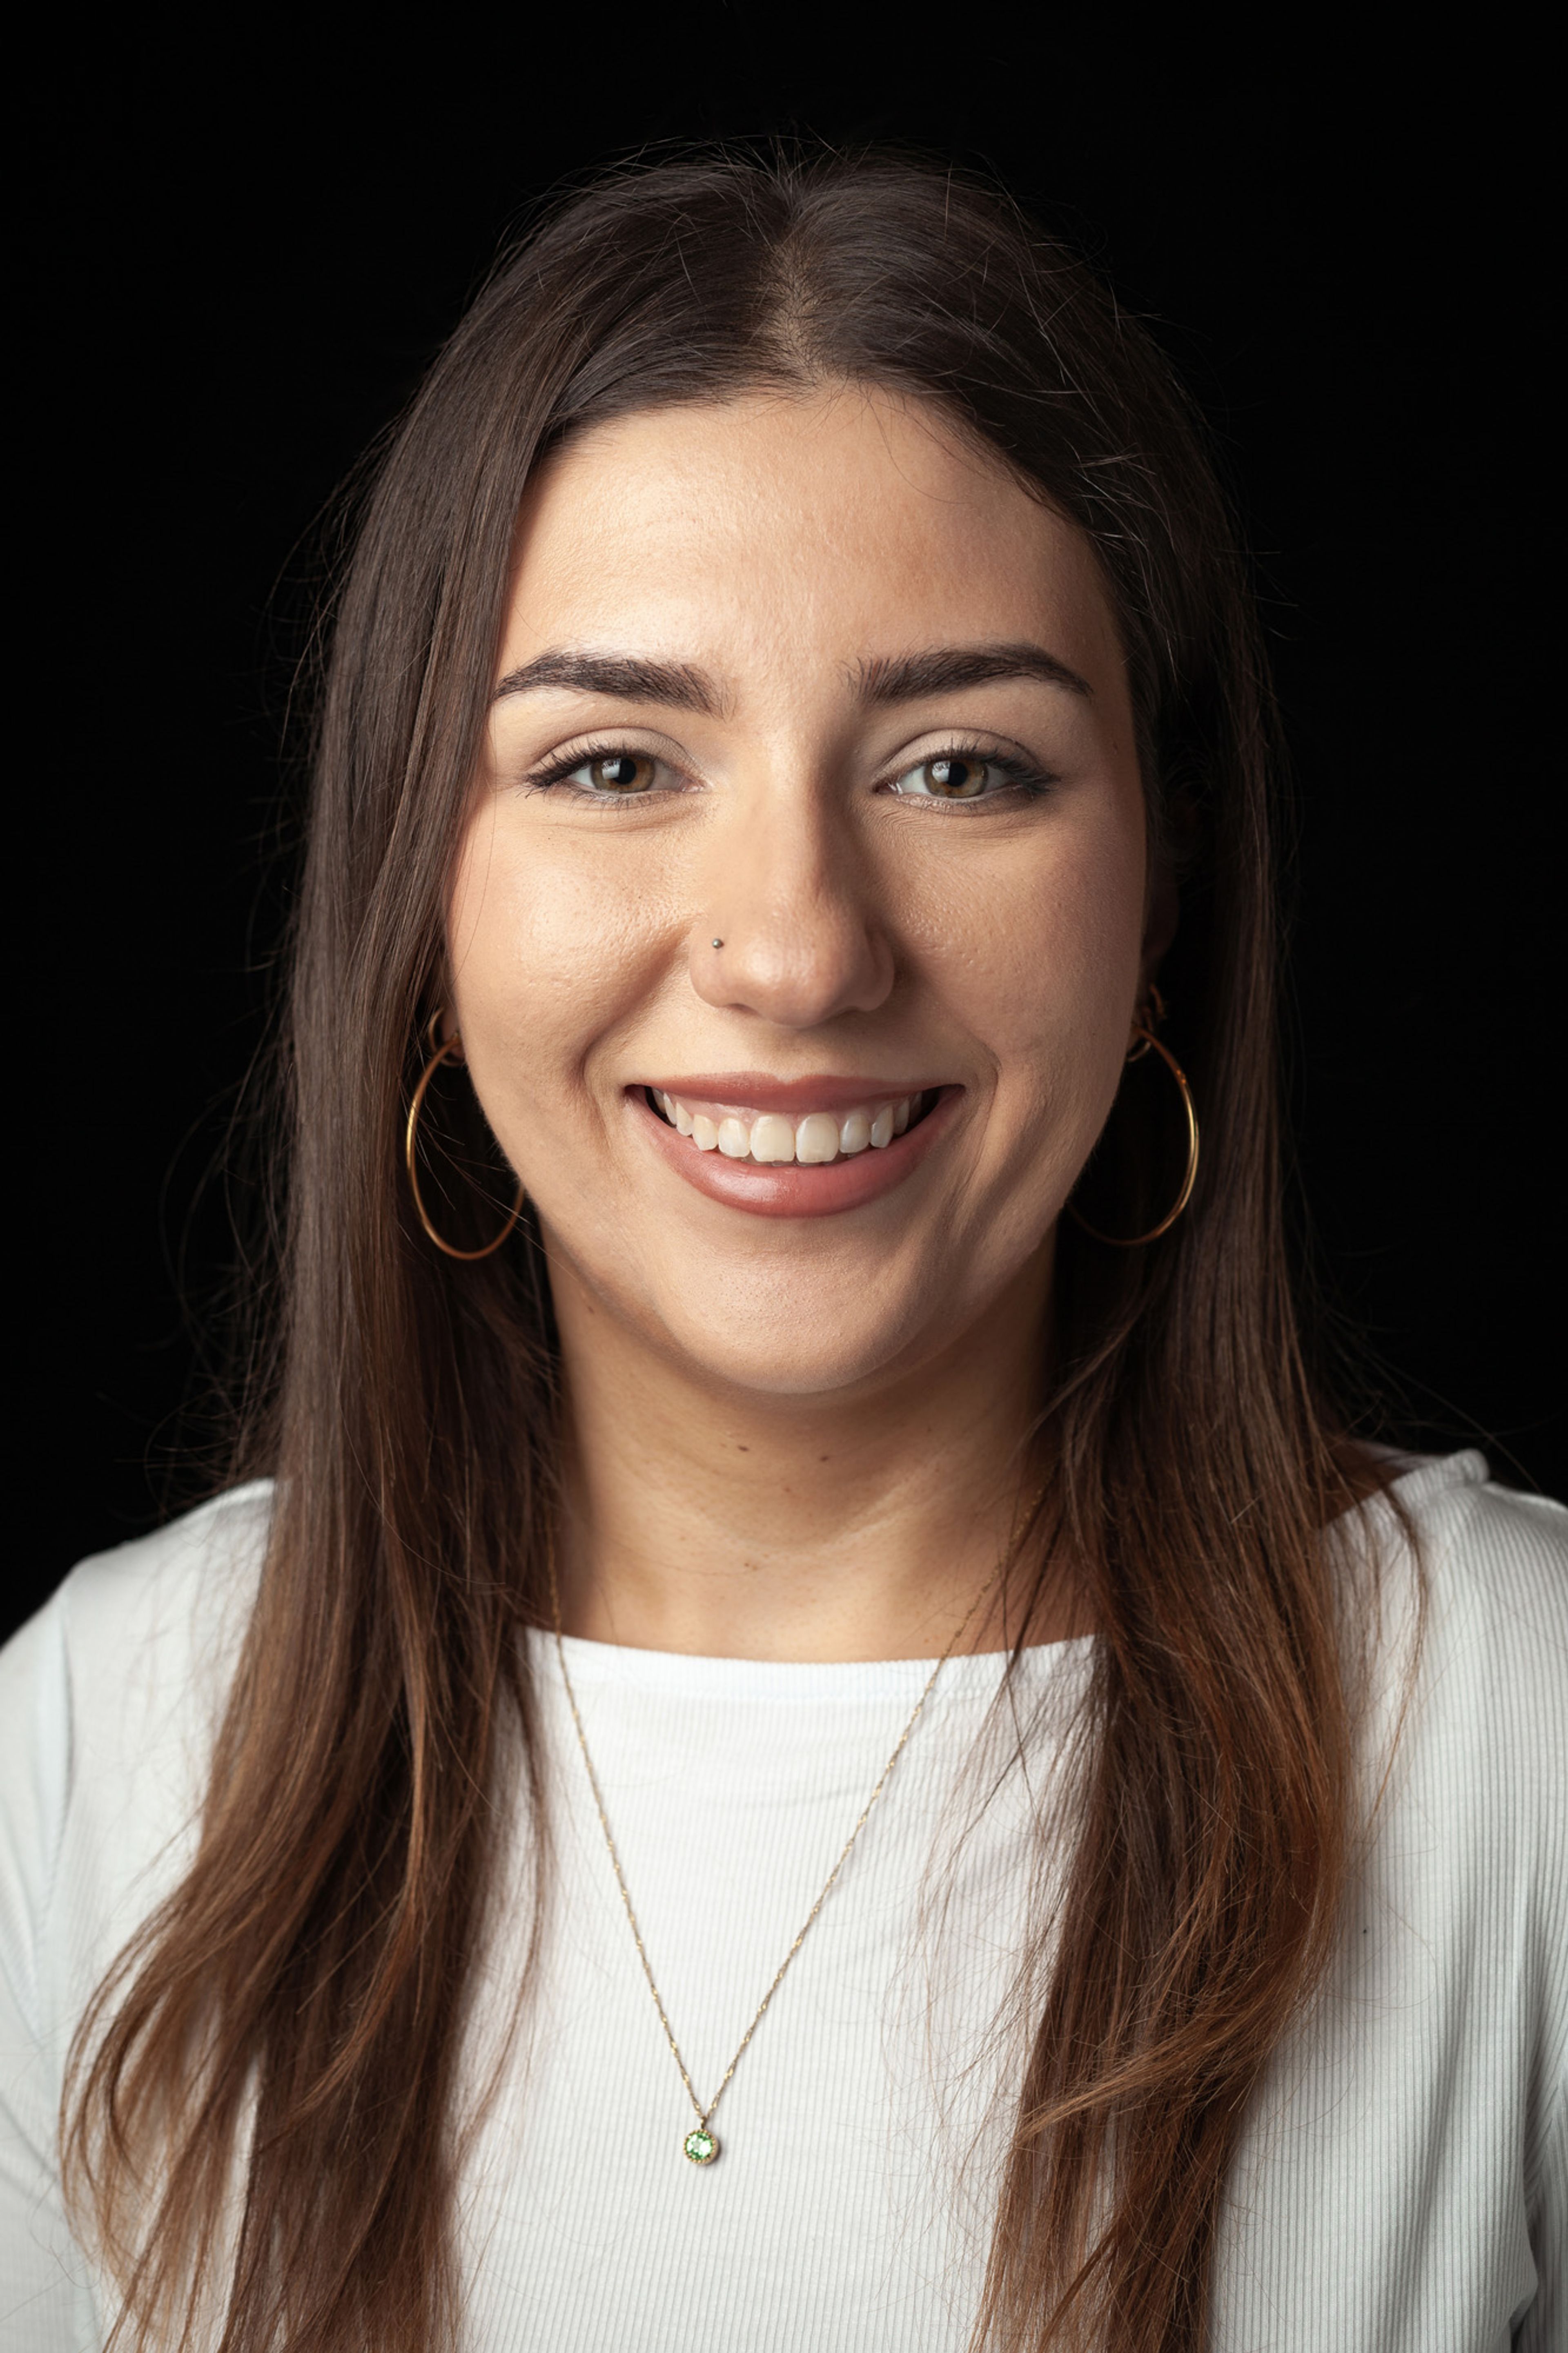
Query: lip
x,y
754,1090
784,1189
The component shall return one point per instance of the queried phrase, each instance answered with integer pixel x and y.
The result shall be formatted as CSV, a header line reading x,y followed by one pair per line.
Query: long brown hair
x,y
272,2068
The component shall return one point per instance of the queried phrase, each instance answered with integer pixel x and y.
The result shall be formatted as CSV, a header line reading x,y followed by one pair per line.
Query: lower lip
x,y
786,1189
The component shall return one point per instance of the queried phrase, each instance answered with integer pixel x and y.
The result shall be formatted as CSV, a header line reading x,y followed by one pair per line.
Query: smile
x,y
770,1138
796,1148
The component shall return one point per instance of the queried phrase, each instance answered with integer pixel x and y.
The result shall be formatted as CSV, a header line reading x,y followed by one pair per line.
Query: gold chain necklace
x,y
699,2145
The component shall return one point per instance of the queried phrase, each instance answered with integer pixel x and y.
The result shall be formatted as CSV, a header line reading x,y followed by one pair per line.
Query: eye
x,y
615,772
963,777
608,777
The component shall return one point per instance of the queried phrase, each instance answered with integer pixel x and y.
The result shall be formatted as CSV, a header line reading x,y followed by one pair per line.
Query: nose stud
x,y
718,943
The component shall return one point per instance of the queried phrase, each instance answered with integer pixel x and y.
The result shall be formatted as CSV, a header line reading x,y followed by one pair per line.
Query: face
x,y
802,909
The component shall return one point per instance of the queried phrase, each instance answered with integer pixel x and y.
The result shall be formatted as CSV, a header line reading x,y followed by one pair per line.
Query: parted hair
x,y
262,2117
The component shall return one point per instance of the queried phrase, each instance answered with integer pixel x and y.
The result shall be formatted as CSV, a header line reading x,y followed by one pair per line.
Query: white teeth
x,y
816,1137
773,1138
770,1138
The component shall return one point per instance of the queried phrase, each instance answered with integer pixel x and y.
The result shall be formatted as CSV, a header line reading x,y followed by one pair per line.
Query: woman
x,y
816,1734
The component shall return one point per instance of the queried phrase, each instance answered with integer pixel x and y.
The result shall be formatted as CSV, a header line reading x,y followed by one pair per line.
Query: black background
x,y
246,254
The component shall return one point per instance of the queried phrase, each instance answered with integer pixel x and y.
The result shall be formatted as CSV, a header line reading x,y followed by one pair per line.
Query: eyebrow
x,y
629,677
886,679
904,678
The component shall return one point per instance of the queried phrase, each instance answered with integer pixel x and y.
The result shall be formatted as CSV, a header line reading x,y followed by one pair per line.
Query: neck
x,y
730,1522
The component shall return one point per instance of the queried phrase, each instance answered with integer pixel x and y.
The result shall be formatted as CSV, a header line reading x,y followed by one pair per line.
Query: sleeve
x,y
1544,2326
42,2307
1528,1538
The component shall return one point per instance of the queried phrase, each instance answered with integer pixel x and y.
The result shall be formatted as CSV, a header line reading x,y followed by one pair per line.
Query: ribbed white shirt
x,y
1403,2182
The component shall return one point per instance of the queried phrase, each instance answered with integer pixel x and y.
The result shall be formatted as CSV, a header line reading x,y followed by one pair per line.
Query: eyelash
x,y
1022,775
556,772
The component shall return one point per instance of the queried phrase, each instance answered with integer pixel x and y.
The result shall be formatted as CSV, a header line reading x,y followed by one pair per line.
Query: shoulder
x,y
109,1699
1489,1533
1486,1571
1469,1778
1426,2092
1468,1621
142,1624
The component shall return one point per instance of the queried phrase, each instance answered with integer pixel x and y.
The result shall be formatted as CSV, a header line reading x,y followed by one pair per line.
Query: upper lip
x,y
754,1090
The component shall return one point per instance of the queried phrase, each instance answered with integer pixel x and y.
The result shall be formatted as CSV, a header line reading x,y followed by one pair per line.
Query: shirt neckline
x,y
614,1665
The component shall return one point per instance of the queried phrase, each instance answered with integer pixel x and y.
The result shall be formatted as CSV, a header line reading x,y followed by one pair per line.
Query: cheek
x,y
1076,985
1048,990
547,953
1043,962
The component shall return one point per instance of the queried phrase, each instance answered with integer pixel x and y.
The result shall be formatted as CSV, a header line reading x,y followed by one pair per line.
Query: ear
x,y
1160,919
441,1022
437,993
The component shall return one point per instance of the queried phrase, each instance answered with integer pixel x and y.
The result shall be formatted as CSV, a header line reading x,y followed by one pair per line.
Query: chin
x,y
806,1355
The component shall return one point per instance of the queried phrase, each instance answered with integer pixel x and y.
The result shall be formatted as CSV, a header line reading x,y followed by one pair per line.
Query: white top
x,y
1403,2184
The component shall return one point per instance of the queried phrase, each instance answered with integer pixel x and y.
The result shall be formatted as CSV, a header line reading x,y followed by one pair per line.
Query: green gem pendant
x,y
700,2146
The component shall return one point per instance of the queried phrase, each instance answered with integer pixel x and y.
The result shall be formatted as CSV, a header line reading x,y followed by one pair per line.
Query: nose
x,y
790,928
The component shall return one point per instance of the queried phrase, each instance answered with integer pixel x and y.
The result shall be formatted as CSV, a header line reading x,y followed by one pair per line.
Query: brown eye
x,y
954,777
621,771
956,780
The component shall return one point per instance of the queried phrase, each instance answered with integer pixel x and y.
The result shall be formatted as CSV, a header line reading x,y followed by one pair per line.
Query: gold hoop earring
x,y
453,1045
1135,1241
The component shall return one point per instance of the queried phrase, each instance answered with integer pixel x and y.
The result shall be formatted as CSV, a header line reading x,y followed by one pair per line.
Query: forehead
x,y
846,520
